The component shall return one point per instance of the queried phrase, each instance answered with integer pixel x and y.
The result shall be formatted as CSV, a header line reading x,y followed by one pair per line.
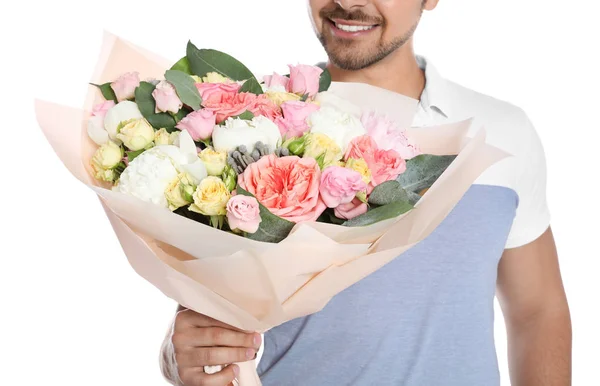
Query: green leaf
x,y
182,65
325,81
147,106
252,86
388,192
185,87
380,213
422,171
304,97
107,92
204,61
272,228
246,115
131,155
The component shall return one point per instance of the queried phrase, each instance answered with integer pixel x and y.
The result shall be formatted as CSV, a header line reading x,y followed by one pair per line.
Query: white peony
x,y
121,112
237,132
148,176
96,131
338,125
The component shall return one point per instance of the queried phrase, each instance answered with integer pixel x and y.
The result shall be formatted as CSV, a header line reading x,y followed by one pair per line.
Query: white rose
x,y
340,126
149,175
121,112
328,99
238,132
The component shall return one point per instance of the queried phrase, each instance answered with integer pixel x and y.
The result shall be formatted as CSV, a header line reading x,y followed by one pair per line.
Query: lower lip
x,y
348,34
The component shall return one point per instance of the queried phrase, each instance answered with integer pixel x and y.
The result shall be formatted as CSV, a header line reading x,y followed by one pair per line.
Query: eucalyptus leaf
x,y
413,198
131,155
325,80
182,65
185,87
380,213
107,92
388,192
272,228
252,86
147,106
203,61
246,115
422,171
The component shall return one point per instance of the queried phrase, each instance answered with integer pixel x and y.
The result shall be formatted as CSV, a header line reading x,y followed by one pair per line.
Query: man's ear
x,y
429,5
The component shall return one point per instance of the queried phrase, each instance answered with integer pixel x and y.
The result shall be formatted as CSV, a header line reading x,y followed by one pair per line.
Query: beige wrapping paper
x,y
248,284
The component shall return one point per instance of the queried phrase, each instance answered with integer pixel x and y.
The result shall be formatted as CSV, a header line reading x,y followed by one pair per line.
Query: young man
x,y
425,319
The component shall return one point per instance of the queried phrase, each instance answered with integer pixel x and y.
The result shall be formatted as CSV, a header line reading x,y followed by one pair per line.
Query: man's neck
x,y
398,72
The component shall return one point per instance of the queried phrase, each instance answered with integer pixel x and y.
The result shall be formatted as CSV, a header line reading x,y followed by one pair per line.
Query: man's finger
x,y
215,336
214,356
189,318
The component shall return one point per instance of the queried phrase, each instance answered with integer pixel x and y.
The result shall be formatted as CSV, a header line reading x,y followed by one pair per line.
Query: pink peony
x,y
166,98
243,213
124,87
339,185
265,107
101,109
293,123
353,209
388,136
224,100
199,124
304,79
385,165
287,186
276,81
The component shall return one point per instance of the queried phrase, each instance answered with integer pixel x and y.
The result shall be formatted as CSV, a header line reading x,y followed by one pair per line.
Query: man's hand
x,y
201,341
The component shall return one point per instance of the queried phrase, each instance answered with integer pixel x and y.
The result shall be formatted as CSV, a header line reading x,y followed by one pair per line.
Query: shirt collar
x,y
435,94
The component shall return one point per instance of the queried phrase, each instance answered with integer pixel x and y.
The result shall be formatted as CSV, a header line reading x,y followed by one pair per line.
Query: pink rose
x,y
199,124
339,185
101,109
388,135
243,213
287,186
276,81
304,79
224,100
124,87
166,98
351,210
265,107
385,165
293,123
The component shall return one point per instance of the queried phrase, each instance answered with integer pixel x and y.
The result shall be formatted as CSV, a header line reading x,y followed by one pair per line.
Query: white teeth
x,y
353,28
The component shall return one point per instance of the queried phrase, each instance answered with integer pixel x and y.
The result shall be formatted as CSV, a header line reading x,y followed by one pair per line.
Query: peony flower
x,y
340,185
211,197
304,79
385,165
149,175
215,161
351,210
388,135
319,145
265,107
337,125
287,186
105,159
199,124
238,132
276,82
124,87
166,98
122,112
179,192
95,125
294,122
243,213
136,134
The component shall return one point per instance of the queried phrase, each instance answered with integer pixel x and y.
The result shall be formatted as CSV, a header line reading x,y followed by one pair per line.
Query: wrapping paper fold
x,y
248,284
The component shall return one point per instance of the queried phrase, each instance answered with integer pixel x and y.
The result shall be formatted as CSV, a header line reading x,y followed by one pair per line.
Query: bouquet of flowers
x,y
256,201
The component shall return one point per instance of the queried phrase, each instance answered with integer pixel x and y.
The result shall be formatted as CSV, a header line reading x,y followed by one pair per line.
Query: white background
x,y
75,313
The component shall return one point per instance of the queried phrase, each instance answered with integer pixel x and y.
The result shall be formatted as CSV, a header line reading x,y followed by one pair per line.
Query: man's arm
x,y
534,304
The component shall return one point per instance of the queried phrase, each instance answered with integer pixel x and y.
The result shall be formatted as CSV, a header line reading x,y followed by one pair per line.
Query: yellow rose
x,y
136,134
279,97
106,158
215,161
196,78
215,77
321,146
180,191
211,197
163,137
360,165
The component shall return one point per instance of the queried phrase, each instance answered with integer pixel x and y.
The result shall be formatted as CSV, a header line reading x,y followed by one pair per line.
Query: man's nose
x,y
349,4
